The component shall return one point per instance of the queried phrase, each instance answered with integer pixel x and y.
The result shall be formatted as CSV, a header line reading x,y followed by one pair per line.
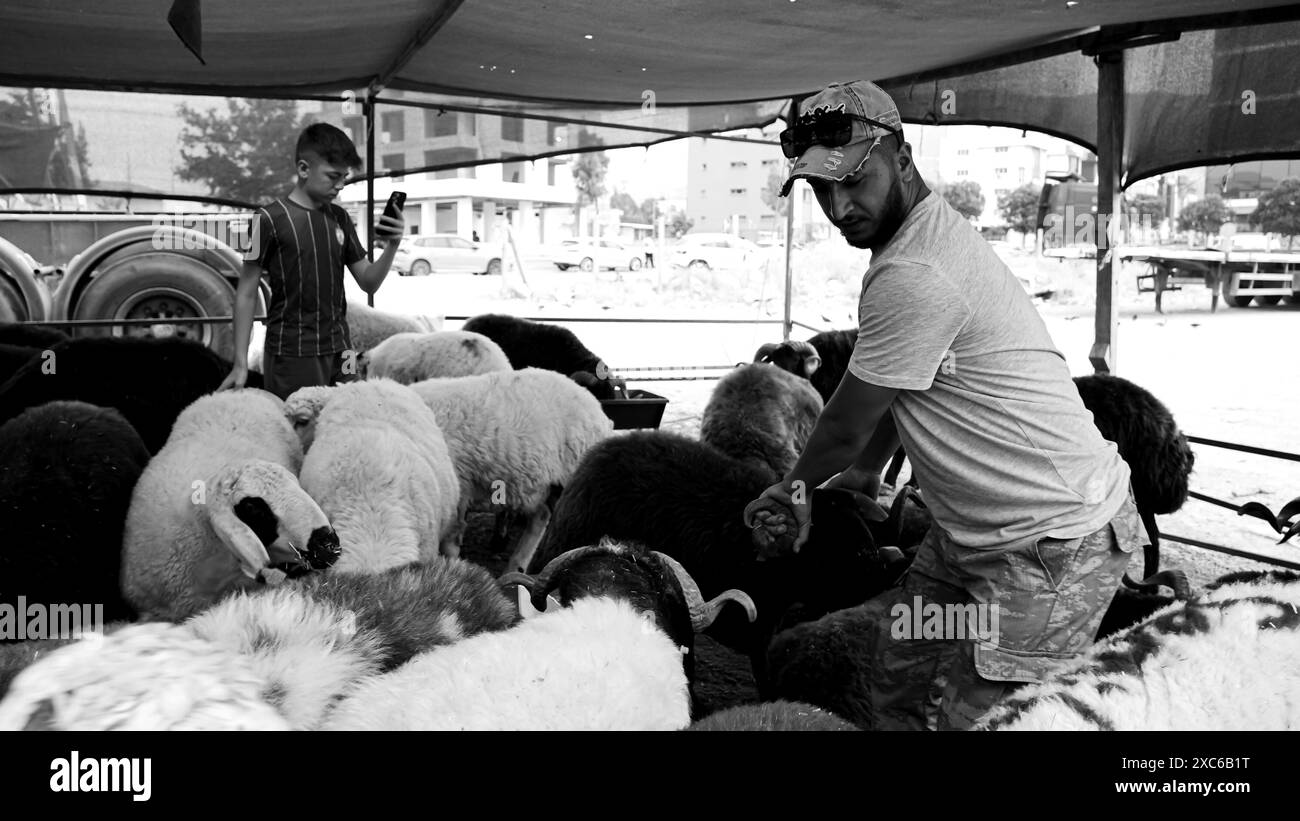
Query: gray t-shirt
x,y
1000,441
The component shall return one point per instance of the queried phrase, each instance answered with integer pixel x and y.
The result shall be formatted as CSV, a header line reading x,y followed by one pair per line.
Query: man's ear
x,y
304,168
903,156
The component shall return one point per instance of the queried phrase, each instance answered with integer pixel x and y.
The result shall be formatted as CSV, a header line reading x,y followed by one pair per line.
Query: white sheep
x,y
412,357
1226,660
379,468
218,506
516,438
367,327
153,676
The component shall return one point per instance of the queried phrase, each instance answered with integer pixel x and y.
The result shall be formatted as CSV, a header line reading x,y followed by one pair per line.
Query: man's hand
x,y
391,229
780,520
856,478
235,379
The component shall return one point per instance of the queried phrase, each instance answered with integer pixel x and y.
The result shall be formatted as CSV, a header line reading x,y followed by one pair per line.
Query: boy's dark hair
x,y
329,143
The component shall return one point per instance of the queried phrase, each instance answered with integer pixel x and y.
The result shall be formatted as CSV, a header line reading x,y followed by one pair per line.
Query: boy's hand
x,y
391,229
235,379
780,524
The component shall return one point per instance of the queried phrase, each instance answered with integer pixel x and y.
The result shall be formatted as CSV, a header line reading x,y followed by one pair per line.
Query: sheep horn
x,y
812,360
541,584
703,613
764,353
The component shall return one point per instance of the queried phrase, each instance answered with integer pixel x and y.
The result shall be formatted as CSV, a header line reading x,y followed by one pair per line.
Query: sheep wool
x,y
154,676
1226,660
380,470
776,716
761,415
412,357
598,664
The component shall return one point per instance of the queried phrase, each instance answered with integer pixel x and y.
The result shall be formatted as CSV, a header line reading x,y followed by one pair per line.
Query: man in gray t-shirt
x,y
1033,515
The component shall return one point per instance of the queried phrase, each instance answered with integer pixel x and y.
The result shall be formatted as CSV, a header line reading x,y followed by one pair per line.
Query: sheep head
x,y
302,409
796,356
266,520
655,583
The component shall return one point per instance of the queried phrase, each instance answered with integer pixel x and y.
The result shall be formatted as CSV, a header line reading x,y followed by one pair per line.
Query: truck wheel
x,y
1293,299
1269,300
13,308
1240,301
162,286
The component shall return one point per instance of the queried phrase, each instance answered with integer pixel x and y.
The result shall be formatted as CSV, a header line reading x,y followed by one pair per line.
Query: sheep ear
x,y
811,364
869,507
238,538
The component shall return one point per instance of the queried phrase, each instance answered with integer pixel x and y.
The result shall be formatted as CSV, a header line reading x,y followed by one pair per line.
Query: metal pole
x,y
1110,170
368,108
789,243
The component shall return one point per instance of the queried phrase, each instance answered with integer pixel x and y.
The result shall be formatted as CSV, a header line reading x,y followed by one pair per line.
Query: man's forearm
x,y
833,446
245,304
883,444
377,271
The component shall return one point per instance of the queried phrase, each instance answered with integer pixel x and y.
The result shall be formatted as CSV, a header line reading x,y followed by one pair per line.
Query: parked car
x,y
709,251
603,253
420,255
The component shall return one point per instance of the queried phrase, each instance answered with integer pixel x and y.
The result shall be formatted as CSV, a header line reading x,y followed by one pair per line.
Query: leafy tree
x,y
1019,208
244,154
676,224
965,197
1204,216
624,202
68,166
589,174
771,194
1148,207
1278,211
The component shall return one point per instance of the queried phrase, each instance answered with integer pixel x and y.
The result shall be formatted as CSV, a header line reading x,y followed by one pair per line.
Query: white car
x,y
603,253
421,255
710,251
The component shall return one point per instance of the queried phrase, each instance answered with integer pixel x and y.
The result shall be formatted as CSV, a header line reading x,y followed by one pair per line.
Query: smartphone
x,y
393,209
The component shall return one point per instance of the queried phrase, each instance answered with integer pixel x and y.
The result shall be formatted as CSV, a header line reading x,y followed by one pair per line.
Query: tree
x,y
589,174
31,113
1148,207
1204,216
772,194
676,225
624,202
245,154
1019,208
1278,211
966,199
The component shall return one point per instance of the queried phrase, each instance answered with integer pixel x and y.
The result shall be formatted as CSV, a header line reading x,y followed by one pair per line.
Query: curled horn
x,y
811,359
541,584
765,350
703,613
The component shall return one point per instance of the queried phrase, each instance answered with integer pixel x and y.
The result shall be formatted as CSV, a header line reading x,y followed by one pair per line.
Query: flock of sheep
x,y
296,564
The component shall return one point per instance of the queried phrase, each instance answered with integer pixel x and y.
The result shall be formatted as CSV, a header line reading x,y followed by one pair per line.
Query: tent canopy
x,y
946,61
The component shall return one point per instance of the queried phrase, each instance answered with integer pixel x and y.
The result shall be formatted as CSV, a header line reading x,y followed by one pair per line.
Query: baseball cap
x,y
861,100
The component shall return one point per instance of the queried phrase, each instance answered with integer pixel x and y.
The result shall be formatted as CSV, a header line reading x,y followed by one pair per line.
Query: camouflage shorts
x,y
1036,606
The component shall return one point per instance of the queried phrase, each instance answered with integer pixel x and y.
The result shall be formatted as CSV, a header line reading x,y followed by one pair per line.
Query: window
x,y
740,164
445,218
512,129
1001,172
1022,174
441,156
963,172
457,242
471,123
962,152
440,124
512,172
769,163
394,162
393,126
738,191
1001,149
356,128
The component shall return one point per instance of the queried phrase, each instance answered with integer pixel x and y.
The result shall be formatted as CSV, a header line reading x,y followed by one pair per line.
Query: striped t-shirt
x,y
303,252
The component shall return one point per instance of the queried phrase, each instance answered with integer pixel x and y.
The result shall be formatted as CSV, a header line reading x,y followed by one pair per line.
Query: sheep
x,y
302,408
30,336
516,437
13,357
219,507
686,499
822,360
761,415
1159,458
307,643
153,676
367,327
56,458
615,656
1226,660
380,470
529,344
413,357
775,715
149,380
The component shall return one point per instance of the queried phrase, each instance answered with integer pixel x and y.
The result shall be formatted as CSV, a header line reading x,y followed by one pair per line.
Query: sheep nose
x,y
323,548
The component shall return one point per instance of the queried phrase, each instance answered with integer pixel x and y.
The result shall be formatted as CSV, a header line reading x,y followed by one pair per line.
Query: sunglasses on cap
x,y
831,129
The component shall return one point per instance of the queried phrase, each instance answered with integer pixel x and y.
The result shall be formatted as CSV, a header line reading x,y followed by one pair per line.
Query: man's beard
x,y
891,218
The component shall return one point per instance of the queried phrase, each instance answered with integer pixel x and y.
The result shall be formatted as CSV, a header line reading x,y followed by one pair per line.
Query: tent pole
x,y
789,242
369,110
1110,174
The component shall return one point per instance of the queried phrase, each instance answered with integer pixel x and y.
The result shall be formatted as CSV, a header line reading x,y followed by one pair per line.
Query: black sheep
x,y
30,336
687,500
67,471
13,357
149,380
529,344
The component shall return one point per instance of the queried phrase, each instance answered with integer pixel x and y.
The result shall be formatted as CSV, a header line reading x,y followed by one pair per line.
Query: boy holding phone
x,y
303,241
